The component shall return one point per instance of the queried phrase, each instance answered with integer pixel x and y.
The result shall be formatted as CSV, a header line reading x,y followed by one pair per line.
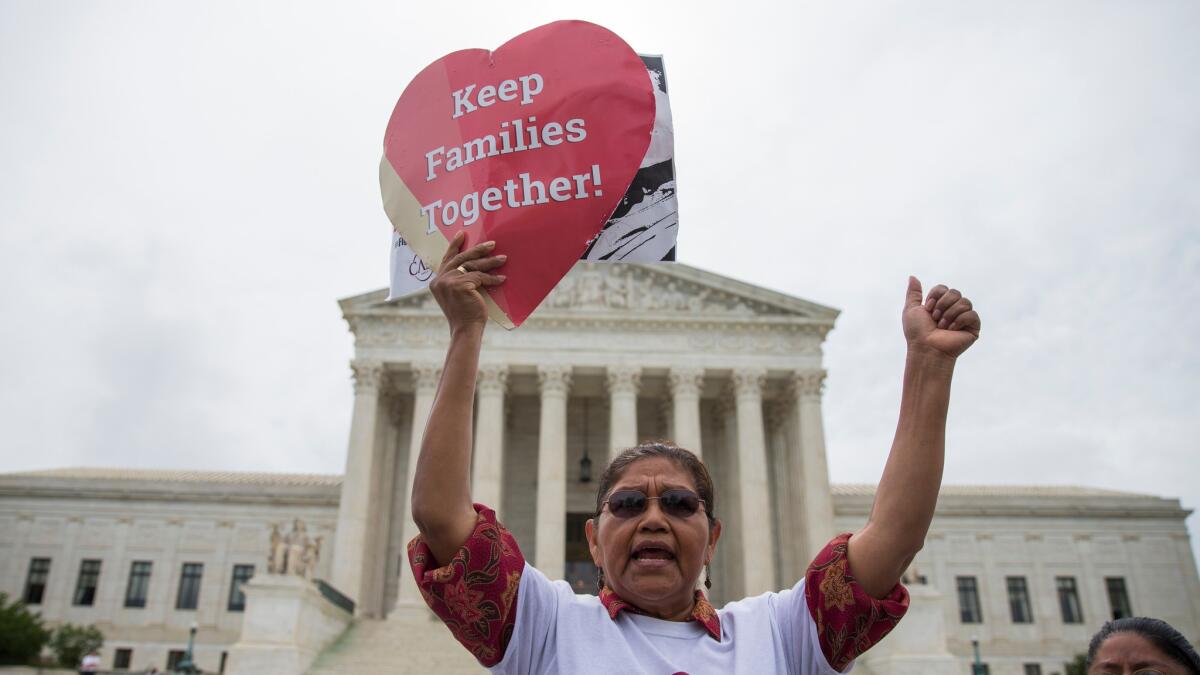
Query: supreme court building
x,y
617,354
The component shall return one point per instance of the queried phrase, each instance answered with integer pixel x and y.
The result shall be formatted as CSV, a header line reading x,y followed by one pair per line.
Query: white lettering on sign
x,y
513,136
530,85
517,192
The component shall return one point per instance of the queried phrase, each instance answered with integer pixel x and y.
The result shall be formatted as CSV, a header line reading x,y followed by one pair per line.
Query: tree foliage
x,y
70,643
22,634
1077,666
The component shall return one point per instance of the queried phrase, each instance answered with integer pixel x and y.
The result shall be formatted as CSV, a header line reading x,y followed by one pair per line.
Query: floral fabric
x,y
475,595
849,621
703,613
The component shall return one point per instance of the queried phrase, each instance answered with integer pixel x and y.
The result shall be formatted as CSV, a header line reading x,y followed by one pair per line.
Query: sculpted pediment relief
x,y
666,289
609,287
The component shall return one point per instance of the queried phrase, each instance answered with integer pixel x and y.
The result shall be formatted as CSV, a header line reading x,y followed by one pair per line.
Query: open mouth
x,y
652,552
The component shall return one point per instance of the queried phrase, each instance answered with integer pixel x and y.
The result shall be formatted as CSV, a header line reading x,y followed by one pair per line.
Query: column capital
x,y
808,383
367,375
492,378
425,377
554,379
777,413
686,381
748,382
725,406
624,379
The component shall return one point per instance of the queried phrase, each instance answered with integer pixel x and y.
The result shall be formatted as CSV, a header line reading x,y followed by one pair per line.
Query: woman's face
x,y
653,560
1131,654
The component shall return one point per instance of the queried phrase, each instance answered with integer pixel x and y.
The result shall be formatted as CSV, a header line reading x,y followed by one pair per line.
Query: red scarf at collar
x,y
702,612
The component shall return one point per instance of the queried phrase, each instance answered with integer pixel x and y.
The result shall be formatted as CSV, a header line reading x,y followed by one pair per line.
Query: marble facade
x,y
617,354
168,519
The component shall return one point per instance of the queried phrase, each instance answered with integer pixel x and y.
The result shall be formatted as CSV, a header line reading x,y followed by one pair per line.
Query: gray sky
x,y
186,189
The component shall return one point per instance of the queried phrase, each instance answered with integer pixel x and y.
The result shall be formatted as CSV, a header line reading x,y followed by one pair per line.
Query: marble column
x,y
373,603
785,521
551,538
488,474
753,489
425,378
623,383
686,384
816,498
353,508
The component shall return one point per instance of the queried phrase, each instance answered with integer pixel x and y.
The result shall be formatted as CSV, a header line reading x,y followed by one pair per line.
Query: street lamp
x,y
979,667
186,665
585,464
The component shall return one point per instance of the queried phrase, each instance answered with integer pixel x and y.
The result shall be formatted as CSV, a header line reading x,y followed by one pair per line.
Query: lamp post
x,y
977,668
186,665
585,464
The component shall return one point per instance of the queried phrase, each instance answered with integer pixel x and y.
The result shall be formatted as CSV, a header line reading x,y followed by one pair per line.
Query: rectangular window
x,y
1118,597
968,600
122,658
173,658
189,586
1068,600
1018,600
1033,669
237,599
89,578
35,582
139,583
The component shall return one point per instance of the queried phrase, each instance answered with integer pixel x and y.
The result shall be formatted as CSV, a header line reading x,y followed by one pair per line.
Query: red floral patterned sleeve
x,y
849,621
475,594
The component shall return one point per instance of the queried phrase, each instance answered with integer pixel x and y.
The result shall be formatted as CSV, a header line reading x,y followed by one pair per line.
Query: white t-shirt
x,y
557,631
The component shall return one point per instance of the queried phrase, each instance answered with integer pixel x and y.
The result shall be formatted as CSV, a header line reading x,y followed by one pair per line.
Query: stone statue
x,y
296,540
312,553
294,553
277,554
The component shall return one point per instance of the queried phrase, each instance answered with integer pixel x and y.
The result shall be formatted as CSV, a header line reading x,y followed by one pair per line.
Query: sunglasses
x,y
675,503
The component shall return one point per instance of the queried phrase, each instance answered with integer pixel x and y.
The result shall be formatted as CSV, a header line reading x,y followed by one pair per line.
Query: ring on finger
x,y
462,268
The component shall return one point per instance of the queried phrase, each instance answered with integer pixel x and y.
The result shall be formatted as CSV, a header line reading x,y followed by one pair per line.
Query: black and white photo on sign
x,y
643,228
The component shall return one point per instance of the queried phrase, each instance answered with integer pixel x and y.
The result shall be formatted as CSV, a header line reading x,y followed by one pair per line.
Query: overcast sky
x,y
186,189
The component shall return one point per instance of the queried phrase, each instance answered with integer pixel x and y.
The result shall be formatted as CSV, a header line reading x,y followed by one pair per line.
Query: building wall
x,y
1141,539
1037,534
167,531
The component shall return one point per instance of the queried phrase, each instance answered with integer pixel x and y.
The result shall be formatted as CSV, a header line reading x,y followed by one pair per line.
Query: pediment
x,y
660,290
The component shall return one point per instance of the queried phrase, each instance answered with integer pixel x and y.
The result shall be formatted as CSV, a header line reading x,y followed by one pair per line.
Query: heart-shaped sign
x,y
532,145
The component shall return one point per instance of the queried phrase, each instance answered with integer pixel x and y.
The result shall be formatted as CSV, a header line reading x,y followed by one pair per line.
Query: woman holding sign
x,y
656,529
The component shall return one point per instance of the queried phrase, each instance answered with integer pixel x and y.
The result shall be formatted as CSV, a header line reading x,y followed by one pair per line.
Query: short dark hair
x,y
684,458
1159,633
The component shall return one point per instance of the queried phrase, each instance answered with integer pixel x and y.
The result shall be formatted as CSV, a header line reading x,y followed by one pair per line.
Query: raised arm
x,y
441,495
938,330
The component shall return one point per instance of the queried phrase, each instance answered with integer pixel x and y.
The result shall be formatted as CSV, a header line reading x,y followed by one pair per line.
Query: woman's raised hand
x,y
945,321
460,276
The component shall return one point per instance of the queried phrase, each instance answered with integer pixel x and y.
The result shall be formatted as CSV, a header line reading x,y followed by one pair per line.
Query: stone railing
x,y
335,596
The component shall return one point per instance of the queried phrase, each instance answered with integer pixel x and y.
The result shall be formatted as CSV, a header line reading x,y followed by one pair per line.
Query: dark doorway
x,y
579,569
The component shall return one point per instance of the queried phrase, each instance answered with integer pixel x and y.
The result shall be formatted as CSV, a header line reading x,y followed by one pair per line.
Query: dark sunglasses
x,y
632,503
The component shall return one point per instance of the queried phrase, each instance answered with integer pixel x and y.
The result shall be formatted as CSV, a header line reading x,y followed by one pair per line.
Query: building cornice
x,y
149,490
1024,502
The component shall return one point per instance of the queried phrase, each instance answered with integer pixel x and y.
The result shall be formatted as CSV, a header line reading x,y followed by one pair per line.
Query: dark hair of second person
x,y
1159,634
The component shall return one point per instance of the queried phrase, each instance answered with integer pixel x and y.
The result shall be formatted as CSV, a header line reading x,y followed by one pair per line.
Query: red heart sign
x,y
532,145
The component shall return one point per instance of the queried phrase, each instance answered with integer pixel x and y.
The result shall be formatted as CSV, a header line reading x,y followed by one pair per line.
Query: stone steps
x,y
397,646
